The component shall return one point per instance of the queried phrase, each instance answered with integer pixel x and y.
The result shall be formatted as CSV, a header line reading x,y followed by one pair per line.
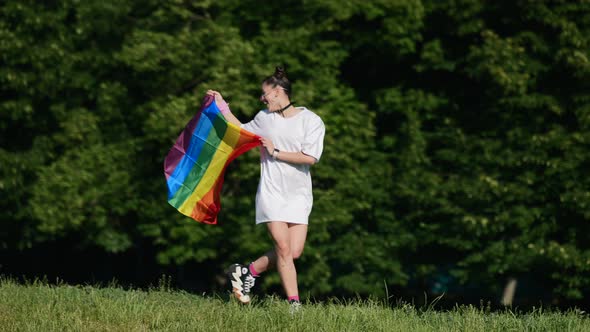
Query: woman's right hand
x,y
218,98
223,106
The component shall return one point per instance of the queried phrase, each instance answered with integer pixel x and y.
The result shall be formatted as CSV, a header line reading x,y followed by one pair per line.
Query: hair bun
x,y
280,72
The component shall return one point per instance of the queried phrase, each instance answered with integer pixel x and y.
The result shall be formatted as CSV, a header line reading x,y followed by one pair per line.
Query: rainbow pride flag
x,y
196,163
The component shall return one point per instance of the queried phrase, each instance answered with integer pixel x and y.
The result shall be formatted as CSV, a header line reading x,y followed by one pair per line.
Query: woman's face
x,y
267,91
273,97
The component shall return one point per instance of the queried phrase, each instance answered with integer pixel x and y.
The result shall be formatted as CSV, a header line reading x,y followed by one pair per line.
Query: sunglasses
x,y
263,95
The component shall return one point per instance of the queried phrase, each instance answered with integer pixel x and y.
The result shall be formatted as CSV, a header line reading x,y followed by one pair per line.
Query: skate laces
x,y
249,283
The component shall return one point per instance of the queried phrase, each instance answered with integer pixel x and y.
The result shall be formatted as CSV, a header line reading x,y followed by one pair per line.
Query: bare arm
x,y
296,158
224,108
290,157
230,117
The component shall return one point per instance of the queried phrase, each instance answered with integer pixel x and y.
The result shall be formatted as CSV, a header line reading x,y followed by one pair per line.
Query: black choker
x,y
284,108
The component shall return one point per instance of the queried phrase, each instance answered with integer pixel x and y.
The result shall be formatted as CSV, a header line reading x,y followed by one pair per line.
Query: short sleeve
x,y
313,142
254,125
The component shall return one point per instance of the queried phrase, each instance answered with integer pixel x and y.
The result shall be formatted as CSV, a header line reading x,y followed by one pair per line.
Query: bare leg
x,y
280,235
297,235
265,262
289,240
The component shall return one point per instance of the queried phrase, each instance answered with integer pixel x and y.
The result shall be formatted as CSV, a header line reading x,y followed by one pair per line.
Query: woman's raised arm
x,y
224,108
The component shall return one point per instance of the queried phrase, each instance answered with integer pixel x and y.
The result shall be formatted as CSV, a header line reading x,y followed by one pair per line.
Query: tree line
x,y
456,150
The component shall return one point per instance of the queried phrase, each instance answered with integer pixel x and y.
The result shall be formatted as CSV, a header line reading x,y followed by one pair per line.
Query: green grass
x,y
41,307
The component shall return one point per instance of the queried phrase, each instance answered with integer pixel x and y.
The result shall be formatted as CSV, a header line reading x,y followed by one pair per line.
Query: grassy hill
x,y
41,307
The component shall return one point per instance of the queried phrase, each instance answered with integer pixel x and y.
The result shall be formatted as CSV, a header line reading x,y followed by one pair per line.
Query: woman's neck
x,y
286,108
289,112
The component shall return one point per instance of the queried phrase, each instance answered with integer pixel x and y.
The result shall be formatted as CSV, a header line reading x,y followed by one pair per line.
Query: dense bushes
x,y
457,133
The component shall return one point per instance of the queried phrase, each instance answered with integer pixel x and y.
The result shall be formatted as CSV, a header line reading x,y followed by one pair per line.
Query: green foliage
x,y
484,164
457,133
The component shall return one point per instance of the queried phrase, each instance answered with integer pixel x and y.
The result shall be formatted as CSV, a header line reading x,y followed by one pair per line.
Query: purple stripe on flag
x,y
183,142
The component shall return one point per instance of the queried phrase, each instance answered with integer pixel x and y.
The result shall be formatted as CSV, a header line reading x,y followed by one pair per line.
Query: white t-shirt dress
x,y
284,191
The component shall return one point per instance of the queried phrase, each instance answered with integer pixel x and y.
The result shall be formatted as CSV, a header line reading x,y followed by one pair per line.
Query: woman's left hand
x,y
268,144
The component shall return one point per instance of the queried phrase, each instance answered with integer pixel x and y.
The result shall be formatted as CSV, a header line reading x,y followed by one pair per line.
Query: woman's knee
x,y
283,249
297,235
296,252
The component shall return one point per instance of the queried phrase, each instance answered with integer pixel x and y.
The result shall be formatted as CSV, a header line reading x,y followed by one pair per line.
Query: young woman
x,y
292,141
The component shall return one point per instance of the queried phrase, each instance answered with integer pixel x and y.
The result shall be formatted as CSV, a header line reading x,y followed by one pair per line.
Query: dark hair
x,y
279,78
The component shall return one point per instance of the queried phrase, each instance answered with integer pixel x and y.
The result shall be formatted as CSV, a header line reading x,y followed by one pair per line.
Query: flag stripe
x,y
198,139
200,162
214,169
204,208
194,171
184,141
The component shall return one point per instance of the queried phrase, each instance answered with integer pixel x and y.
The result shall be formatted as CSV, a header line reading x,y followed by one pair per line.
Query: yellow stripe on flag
x,y
224,150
